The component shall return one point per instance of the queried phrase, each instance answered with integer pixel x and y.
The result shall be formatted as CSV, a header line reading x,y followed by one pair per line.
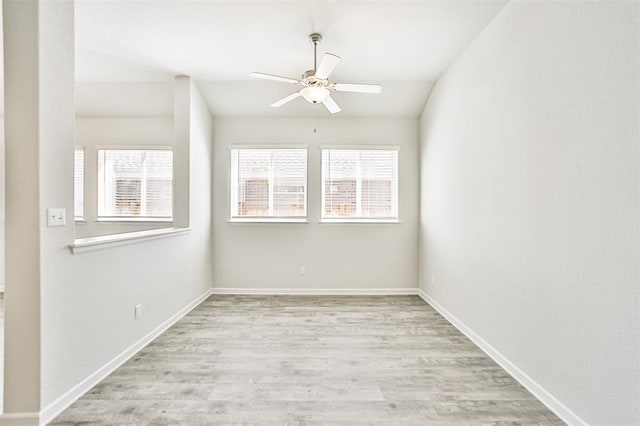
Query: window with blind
x,y
78,184
135,183
360,185
268,184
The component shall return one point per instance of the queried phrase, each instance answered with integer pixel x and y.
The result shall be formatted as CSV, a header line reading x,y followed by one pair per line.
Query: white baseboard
x,y
317,291
60,404
20,419
531,385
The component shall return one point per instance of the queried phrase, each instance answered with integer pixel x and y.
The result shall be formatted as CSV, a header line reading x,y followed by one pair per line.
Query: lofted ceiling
x,y
128,52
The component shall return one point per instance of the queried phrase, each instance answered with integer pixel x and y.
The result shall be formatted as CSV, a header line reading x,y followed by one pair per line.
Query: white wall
x,y
34,71
2,180
336,256
92,133
69,315
88,300
200,188
1,205
529,198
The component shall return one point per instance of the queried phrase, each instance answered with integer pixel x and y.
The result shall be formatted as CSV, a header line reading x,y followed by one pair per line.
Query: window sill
x,y
267,220
362,221
82,245
134,219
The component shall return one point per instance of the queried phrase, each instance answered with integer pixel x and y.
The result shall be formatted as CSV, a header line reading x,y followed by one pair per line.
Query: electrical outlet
x,y
137,311
433,279
56,217
303,270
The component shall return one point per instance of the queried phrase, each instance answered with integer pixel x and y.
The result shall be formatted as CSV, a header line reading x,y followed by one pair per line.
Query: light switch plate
x,y
56,217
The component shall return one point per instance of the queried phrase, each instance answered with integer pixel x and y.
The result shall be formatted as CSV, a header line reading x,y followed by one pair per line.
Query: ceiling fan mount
x,y
316,85
315,38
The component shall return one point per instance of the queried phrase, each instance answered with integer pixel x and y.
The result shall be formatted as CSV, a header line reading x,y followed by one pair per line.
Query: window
x,y
78,184
135,183
360,185
268,184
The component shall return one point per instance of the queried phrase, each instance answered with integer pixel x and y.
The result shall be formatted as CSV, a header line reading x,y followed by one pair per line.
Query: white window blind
x,y
135,183
78,184
268,183
360,184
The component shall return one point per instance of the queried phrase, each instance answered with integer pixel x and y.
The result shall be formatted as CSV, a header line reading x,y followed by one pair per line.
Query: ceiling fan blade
x,y
273,77
328,63
331,105
357,88
285,100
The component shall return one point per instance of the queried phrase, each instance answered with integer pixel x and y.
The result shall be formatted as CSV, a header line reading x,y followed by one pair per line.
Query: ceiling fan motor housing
x,y
316,86
309,79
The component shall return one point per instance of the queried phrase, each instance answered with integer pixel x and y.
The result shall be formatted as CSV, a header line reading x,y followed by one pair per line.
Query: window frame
x,y
360,219
84,181
265,219
137,219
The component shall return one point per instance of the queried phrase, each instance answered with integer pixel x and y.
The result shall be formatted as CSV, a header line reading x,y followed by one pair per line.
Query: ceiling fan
x,y
316,85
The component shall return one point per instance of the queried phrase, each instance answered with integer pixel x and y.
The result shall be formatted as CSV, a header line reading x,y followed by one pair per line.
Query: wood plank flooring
x,y
309,360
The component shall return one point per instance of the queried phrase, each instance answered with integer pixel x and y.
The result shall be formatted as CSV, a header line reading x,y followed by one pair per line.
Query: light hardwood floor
x,y
309,360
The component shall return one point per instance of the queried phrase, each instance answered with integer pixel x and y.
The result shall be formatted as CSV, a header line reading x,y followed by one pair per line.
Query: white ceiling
x,y
128,52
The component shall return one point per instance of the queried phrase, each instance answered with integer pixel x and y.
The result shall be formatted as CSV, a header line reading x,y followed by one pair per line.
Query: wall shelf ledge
x,y
82,245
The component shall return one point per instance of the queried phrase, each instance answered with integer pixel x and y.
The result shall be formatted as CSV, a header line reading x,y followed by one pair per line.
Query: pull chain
x,y
315,130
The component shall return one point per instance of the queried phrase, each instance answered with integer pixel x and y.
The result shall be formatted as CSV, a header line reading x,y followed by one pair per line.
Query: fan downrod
x,y
315,39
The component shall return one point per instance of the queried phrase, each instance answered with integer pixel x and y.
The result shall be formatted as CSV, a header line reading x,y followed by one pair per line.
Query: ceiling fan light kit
x,y
316,85
314,94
